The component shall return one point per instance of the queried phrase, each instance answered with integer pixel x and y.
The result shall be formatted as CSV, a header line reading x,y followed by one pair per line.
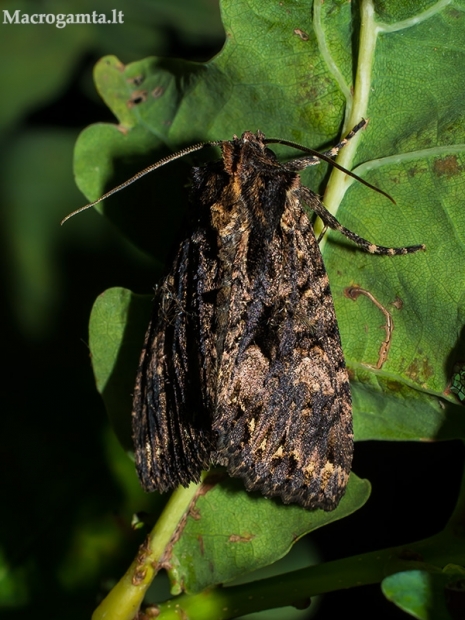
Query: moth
x,y
242,364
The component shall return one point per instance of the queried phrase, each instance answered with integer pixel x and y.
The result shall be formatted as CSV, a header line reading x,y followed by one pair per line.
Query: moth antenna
x,y
326,156
138,175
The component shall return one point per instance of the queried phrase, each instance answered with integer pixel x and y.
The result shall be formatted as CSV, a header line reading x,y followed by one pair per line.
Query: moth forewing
x,y
283,415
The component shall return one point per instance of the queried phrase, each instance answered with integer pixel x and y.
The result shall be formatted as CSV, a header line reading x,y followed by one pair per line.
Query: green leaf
x,y
425,595
411,591
116,333
232,532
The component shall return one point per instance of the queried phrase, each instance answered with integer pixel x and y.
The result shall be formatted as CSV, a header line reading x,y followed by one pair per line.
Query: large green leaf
x,y
233,532
288,69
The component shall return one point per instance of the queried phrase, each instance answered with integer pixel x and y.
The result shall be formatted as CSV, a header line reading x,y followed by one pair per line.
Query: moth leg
x,y
322,234
337,147
312,200
303,162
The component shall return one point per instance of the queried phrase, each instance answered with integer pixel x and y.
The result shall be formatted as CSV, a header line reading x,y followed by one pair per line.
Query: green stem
x,y
357,107
294,587
124,600
357,104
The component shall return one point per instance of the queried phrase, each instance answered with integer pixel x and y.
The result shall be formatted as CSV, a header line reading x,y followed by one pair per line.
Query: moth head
x,y
245,152
255,138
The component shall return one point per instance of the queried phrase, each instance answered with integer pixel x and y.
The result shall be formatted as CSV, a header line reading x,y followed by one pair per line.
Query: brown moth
x,y
242,364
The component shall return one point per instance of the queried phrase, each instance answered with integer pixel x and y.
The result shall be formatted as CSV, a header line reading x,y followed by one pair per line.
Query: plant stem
x,y
357,107
295,587
124,600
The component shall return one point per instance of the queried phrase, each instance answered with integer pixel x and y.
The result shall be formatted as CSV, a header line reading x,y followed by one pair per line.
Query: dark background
x,y
67,489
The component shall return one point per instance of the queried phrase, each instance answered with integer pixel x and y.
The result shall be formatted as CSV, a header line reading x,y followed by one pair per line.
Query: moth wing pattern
x,y
171,426
283,410
242,364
